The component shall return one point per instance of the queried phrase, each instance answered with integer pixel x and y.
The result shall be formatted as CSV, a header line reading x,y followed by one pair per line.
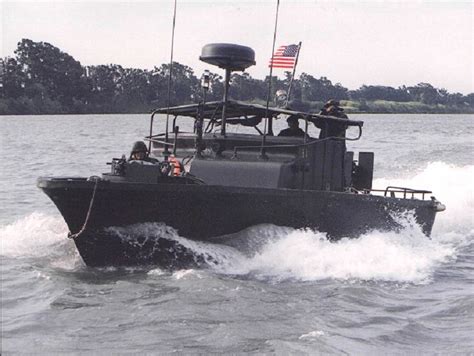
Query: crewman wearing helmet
x,y
293,128
140,153
332,108
328,128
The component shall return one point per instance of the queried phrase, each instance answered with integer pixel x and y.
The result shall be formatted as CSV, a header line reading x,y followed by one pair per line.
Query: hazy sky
x,y
351,42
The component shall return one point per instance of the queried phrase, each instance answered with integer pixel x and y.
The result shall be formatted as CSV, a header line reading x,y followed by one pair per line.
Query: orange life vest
x,y
176,166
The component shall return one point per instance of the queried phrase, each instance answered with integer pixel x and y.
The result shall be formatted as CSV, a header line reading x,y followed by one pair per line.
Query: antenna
x,y
166,151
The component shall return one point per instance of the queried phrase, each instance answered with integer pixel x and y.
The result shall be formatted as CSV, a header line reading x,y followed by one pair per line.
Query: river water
x,y
296,293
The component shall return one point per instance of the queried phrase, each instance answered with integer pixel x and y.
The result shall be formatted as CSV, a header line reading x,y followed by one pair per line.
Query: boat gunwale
x,y
84,183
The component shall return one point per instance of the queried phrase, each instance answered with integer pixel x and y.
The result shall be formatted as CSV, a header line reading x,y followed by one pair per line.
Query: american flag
x,y
284,57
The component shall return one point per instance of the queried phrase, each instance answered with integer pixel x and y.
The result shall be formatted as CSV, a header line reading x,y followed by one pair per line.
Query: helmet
x,y
292,118
281,95
332,102
139,146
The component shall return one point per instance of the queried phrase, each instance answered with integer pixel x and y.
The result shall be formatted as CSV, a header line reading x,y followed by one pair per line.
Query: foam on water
x,y
389,256
452,186
186,273
403,256
302,254
39,236
406,256
312,335
212,254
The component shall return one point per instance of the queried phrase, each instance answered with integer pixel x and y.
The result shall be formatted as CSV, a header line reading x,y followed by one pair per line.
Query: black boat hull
x,y
203,212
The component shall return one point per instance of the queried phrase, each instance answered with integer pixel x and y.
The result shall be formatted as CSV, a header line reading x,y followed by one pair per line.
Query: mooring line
x,y
86,221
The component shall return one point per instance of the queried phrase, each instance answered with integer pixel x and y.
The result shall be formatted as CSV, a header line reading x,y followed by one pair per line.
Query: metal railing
x,y
392,192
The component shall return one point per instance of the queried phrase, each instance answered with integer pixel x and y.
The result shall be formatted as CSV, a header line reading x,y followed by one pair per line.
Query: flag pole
x,y
269,121
293,75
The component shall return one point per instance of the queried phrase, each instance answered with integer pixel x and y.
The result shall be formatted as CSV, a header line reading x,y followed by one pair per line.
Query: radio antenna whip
x,y
170,73
268,121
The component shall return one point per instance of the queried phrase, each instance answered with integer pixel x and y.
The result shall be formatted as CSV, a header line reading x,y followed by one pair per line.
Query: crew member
x,y
333,108
293,128
140,153
331,128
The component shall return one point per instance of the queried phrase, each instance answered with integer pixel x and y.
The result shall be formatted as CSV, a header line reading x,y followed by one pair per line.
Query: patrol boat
x,y
211,183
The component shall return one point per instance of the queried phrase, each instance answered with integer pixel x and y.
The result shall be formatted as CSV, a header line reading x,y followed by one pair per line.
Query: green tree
x,y
425,93
132,93
12,78
320,89
244,87
184,85
104,81
43,79
60,74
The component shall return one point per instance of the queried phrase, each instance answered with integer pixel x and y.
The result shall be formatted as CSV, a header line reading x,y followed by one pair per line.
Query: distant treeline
x,y
41,79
